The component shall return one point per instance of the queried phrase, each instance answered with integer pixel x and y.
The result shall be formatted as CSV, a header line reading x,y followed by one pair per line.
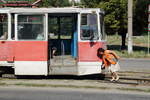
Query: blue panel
x,y
74,45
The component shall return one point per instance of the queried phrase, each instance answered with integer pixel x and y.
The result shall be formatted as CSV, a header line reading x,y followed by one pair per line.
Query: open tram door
x,y
31,44
62,42
90,38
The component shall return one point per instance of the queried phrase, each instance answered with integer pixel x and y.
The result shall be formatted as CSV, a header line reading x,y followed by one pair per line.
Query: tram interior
x,y
62,39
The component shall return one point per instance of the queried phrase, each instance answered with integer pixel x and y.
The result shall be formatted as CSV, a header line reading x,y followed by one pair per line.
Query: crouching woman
x,y
110,61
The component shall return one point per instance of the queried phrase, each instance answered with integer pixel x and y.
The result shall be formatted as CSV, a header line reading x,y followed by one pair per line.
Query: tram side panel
x,y
31,58
31,44
6,52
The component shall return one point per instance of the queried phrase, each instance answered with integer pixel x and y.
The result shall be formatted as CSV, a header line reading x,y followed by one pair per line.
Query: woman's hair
x,y
100,50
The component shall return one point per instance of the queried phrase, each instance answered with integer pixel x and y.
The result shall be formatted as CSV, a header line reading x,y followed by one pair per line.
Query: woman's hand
x,y
102,66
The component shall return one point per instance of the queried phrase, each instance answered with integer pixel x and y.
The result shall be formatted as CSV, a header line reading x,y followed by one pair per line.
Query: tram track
x,y
132,81
125,78
137,78
125,83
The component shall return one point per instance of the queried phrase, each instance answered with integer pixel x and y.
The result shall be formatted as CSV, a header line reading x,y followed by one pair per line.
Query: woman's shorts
x,y
114,67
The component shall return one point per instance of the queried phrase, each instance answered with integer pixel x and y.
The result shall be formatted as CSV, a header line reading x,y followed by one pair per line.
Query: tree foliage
x,y
55,3
141,16
90,3
116,16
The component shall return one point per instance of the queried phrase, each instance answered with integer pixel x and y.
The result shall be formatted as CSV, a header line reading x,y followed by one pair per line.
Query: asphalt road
x,y
26,93
135,64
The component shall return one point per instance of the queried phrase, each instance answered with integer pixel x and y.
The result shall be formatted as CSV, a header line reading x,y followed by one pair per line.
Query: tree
x,y
90,3
55,3
115,17
140,16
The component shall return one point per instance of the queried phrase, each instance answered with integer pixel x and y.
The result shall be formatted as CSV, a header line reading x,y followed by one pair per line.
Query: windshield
x,y
89,27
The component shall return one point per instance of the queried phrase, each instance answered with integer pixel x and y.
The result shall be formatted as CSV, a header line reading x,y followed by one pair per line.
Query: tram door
x,y
62,28
31,47
6,47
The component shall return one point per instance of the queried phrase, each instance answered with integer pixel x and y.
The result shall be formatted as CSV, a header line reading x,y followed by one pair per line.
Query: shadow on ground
x,y
97,77
75,77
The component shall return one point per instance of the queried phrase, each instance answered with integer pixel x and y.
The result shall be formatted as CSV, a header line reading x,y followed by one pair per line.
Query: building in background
x,y
76,1
19,3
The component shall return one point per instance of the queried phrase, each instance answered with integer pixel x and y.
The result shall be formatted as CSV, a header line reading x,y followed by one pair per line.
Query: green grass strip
x,y
2,84
51,85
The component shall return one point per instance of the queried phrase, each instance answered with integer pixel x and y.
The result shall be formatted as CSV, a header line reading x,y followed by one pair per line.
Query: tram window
x,y
3,26
53,27
66,27
103,36
89,27
60,27
30,27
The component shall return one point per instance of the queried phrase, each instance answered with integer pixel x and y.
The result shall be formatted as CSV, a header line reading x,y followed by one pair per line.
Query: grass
x,y
2,84
137,40
53,85
140,46
136,54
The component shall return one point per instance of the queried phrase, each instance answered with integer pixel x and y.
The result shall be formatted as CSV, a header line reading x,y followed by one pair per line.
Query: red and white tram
x,y
51,41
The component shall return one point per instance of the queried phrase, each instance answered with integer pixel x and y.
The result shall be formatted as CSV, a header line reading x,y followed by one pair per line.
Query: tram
x,y
51,41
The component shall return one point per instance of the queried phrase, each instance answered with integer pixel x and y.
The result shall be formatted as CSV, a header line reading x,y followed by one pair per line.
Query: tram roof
x,y
49,10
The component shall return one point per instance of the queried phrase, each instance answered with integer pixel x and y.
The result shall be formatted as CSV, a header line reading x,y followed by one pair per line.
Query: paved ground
x,y
24,93
135,64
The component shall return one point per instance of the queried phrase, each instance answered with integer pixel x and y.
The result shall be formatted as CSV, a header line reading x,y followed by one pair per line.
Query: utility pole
x,y
148,28
73,3
130,27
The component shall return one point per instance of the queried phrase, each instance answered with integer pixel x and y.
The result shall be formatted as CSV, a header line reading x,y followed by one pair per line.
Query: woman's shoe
x,y
113,79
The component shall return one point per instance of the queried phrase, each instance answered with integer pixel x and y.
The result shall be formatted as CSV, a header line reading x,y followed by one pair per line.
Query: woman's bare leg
x,y
113,76
117,77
